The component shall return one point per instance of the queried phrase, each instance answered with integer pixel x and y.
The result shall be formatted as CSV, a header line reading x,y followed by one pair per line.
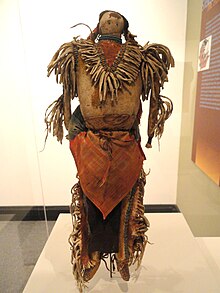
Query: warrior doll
x,y
111,78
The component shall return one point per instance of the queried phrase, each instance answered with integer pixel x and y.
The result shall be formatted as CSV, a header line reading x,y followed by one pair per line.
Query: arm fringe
x,y
63,64
164,111
157,60
54,117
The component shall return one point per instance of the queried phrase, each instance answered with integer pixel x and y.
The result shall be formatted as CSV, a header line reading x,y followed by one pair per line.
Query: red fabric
x,y
108,164
110,50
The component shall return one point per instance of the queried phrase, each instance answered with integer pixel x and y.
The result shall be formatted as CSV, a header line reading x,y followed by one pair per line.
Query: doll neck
x,y
115,38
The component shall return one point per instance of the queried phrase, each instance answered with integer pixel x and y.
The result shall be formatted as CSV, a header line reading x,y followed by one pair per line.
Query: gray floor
x,y
21,243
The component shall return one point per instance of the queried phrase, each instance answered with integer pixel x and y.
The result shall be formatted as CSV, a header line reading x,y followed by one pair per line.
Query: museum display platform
x,y
173,262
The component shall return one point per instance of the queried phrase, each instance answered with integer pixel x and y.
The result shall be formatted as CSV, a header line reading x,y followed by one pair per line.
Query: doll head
x,y
111,23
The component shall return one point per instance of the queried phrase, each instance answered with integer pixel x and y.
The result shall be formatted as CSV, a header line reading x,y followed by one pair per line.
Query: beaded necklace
x,y
110,38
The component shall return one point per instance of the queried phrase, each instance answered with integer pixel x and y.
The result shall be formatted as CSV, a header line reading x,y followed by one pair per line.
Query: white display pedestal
x,y
173,263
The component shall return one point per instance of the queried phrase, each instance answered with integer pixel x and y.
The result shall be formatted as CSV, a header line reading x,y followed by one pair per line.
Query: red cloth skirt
x,y
108,165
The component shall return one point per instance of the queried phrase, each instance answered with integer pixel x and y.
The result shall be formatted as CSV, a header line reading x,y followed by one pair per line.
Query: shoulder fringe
x,y
63,64
157,60
152,60
108,79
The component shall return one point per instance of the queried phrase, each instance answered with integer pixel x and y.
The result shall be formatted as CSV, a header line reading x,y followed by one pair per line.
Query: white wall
x,y
31,32
198,197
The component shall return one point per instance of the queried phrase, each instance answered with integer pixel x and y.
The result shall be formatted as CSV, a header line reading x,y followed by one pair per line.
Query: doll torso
x,y
112,114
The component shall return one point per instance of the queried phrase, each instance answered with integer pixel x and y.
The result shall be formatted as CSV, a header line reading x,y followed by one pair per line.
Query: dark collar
x,y
110,38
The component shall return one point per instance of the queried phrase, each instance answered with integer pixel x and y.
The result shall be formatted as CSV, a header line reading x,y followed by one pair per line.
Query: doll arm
x,y
63,64
157,60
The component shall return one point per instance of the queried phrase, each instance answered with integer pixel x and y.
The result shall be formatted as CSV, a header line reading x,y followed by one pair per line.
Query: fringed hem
x,y
84,266
138,224
75,238
132,240
133,227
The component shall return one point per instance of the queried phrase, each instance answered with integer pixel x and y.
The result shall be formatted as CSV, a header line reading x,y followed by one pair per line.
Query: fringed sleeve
x,y
63,64
157,60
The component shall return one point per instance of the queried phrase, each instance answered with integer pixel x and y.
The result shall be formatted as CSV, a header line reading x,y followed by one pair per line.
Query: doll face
x,y
111,23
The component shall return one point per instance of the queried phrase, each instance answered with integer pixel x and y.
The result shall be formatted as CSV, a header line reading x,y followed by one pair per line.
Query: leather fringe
x,y
75,238
157,60
132,240
133,226
152,62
